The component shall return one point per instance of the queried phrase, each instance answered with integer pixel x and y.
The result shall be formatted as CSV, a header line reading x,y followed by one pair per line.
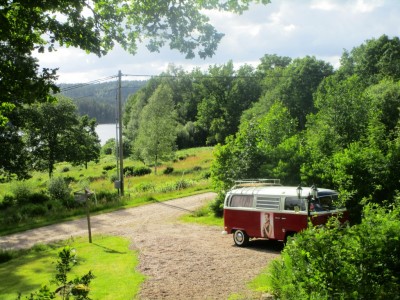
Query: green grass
x,y
109,258
190,176
203,216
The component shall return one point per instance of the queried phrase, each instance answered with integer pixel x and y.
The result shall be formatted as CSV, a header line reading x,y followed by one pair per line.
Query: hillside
x,y
98,100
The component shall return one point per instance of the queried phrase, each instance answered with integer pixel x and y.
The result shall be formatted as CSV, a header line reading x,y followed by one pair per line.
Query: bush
x,y
33,210
129,171
21,192
336,262
38,198
8,201
217,206
141,171
113,177
108,167
168,170
59,190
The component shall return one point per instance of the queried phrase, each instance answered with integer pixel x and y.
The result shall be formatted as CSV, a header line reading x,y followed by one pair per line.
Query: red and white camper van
x,y
265,209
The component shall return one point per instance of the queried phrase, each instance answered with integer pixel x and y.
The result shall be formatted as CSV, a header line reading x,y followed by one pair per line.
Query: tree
x,y
225,94
294,85
374,60
157,129
85,144
53,132
263,148
94,26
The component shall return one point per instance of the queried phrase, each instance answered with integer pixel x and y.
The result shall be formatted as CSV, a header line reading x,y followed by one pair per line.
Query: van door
x,y
269,207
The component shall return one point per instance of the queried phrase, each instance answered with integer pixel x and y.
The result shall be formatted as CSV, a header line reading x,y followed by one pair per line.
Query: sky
x,y
294,28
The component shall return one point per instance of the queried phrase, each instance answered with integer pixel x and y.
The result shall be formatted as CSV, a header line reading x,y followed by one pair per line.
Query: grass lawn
x,y
109,258
203,216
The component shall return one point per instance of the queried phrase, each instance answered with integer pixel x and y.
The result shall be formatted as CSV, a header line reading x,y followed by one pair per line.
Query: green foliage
x,y
59,190
109,167
8,201
55,133
109,147
157,129
22,192
38,198
168,170
336,262
141,171
224,95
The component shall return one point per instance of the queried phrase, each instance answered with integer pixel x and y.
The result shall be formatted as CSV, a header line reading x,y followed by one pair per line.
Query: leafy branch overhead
x,y
95,26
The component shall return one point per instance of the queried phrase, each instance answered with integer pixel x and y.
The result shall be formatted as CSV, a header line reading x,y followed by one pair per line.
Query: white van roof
x,y
277,191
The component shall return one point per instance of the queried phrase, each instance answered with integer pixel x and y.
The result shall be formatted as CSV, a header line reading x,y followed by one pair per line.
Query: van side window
x,y
267,203
294,203
241,201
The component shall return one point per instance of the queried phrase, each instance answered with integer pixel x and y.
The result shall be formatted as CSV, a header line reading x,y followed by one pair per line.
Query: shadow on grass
x,y
109,250
172,206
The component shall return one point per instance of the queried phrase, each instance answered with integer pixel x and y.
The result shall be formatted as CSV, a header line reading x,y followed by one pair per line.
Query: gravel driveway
x,y
181,261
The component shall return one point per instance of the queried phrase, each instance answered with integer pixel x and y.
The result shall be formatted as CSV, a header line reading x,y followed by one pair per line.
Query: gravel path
x,y
181,261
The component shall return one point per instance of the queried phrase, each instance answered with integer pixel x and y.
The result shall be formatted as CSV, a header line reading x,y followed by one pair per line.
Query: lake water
x,y
105,132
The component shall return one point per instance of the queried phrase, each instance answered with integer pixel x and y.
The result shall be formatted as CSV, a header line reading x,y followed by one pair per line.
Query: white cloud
x,y
321,28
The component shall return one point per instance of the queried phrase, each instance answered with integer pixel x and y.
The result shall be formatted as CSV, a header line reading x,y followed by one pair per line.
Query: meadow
x,y
40,200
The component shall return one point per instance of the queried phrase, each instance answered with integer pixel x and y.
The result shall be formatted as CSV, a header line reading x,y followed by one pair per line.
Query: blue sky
x,y
294,28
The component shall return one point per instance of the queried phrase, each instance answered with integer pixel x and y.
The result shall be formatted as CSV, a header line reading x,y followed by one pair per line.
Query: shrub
x,y
108,167
8,201
141,171
129,171
58,189
69,179
21,192
38,198
33,210
336,262
113,177
217,206
168,170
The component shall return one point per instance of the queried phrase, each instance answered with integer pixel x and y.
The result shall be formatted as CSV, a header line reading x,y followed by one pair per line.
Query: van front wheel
x,y
240,238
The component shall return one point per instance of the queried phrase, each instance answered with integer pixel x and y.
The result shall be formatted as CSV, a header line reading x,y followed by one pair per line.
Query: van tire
x,y
241,238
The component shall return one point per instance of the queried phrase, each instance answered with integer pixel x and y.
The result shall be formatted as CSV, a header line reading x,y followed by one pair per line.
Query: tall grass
x,y
189,175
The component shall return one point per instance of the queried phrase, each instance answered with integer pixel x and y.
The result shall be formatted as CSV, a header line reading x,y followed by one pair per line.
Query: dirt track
x,y
181,261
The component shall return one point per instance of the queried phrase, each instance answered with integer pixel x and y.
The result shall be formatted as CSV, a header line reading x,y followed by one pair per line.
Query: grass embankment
x,y
109,259
189,175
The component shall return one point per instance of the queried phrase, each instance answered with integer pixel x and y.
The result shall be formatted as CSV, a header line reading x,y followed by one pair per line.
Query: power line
x,y
77,86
